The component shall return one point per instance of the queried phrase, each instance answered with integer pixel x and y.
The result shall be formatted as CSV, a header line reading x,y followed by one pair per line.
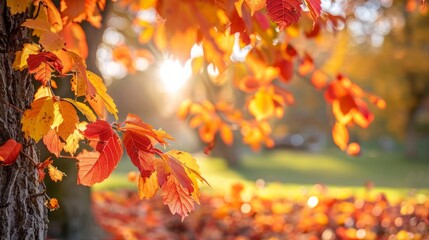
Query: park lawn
x,y
295,174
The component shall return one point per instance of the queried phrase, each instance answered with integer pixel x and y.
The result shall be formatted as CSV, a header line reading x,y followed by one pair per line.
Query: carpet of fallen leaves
x,y
242,216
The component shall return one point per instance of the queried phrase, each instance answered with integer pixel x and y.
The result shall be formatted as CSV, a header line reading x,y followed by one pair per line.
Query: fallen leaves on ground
x,y
238,215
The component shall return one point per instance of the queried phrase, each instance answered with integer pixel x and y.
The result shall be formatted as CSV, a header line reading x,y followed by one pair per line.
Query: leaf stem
x,y
30,158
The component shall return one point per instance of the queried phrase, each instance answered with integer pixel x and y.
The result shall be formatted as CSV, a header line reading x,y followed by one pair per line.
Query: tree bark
x,y
22,211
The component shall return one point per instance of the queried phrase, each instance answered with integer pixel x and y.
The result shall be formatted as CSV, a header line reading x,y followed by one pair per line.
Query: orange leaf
x,y
70,119
51,41
306,65
255,5
226,134
319,79
42,65
148,186
53,15
340,134
37,24
9,152
75,39
52,204
96,166
55,174
53,143
353,149
177,197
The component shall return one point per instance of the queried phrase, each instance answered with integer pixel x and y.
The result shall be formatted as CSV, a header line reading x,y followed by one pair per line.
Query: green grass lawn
x,y
292,173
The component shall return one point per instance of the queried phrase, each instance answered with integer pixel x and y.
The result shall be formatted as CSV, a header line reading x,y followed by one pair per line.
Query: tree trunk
x,y
22,211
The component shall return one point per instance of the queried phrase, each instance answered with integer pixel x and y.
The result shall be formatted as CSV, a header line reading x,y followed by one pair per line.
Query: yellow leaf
x,y
55,174
261,106
72,143
102,92
20,62
58,118
17,6
70,117
37,120
145,4
148,187
42,92
340,134
83,108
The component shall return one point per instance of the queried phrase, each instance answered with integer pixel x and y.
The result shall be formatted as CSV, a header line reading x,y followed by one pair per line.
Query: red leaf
x,y
177,198
284,12
9,152
179,172
96,166
286,70
141,152
315,7
42,65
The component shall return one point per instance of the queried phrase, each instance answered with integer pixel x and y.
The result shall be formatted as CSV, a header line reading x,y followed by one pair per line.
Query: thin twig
x,y
30,158
17,108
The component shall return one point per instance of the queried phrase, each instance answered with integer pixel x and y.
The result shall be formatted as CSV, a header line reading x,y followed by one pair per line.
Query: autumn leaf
x,y
94,167
226,134
51,41
55,174
37,120
319,79
140,149
353,149
75,39
53,15
53,142
9,152
191,168
42,65
148,186
18,6
101,91
177,197
80,83
70,119
261,106
315,7
79,10
284,12
72,143
83,108
52,204
255,5
340,134
20,62
38,24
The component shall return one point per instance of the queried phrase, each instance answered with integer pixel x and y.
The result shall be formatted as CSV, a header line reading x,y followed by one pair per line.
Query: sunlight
x,y
173,75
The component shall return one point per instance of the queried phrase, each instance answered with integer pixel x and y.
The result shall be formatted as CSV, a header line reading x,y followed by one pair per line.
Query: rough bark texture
x,y
22,211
